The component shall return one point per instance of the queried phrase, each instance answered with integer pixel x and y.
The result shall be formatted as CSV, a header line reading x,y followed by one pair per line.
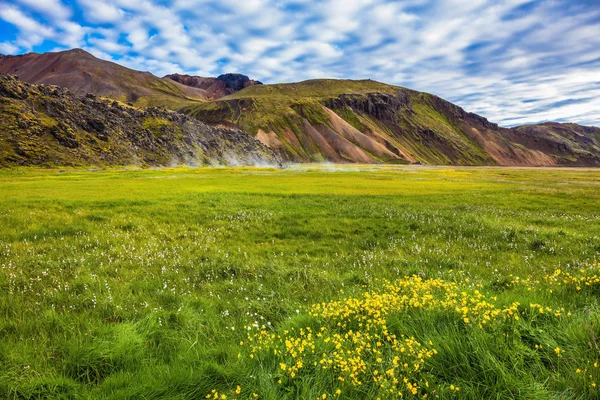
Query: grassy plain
x,y
312,282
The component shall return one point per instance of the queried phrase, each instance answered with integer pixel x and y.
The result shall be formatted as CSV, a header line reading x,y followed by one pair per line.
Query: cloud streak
x,y
513,61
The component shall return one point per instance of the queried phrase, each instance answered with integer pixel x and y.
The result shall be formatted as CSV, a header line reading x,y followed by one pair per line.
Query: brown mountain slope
x,y
218,87
49,125
83,73
367,121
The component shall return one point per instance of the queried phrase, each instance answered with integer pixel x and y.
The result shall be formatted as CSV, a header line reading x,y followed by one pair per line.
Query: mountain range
x,y
232,118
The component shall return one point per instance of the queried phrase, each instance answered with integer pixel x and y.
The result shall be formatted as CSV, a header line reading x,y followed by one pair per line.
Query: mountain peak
x,y
78,51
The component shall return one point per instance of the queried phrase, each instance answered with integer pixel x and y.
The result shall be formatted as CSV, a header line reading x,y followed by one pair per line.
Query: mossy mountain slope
x,y
370,122
48,125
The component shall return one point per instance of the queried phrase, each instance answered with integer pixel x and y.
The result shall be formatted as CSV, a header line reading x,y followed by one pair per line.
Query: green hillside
x,y
347,121
370,122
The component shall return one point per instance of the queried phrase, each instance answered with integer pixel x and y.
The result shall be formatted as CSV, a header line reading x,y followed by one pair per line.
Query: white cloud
x,y
51,8
101,11
489,57
33,32
15,16
8,48
71,34
107,46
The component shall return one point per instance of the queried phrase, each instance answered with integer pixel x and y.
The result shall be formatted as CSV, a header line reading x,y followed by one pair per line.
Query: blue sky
x,y
512,61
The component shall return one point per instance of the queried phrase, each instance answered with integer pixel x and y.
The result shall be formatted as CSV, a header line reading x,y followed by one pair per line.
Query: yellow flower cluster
x,y
351,340
414,292
353,357
214,394
590,375
582,279
557,312
578,280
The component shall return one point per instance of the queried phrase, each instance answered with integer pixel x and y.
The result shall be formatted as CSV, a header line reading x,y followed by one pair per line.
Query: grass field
x,y
311,282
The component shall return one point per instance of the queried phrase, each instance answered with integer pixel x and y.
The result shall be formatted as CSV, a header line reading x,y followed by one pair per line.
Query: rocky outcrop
x,y
192,81
237,82
50,125
571,144
382,106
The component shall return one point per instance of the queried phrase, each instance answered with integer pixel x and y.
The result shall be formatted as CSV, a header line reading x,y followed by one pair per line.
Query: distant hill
x,y
52,126
218,87
569,144
83,73
368,122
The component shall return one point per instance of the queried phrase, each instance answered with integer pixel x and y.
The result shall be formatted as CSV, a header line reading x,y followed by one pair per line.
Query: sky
x,y
512,61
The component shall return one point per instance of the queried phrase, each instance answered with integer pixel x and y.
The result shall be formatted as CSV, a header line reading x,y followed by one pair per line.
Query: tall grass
x,y
142,284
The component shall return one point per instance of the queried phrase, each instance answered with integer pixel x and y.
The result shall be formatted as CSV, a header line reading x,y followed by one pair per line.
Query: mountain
x,y
48,125
369,122
83,73
341,121
218,87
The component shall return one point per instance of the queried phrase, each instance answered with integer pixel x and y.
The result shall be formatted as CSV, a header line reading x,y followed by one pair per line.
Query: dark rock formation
x,y
49,125
237,82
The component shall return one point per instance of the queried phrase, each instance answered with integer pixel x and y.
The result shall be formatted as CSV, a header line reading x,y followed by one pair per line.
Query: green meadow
x,y
350,282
